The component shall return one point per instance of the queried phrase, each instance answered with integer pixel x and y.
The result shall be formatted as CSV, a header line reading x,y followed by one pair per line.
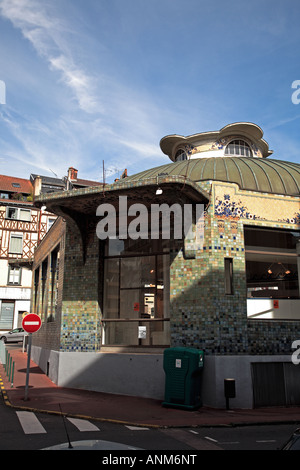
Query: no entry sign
x,y
31,323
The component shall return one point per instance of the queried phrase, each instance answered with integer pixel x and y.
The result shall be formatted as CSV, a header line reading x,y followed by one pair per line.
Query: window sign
x,y
142,332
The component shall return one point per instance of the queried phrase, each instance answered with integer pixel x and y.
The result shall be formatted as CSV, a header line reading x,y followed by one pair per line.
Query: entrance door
x,y
7,315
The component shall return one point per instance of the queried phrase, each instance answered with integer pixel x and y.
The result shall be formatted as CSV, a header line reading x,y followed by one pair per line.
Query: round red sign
x,y
31,323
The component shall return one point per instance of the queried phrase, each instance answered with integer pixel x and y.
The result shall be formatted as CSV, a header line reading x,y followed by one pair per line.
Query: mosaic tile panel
x,y
202,316
80,322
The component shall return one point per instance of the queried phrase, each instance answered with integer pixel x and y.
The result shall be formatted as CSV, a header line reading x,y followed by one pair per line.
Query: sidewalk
x,y
44,395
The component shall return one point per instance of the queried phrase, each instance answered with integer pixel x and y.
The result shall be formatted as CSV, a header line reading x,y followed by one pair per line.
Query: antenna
x,y
63,417
103,177
53,172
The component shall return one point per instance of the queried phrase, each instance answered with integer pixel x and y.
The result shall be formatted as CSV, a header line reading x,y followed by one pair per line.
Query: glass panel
x,y
117,333
137,272
116,247
25,215
111,288
12,213
137,303
130,305
163,286
137,287
136,333
14,275
228,267
238,147
271,238
16,244
6,315
272,264
272,279
180,155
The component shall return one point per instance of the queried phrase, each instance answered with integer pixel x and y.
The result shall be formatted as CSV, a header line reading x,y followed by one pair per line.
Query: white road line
x,y
136,428
210,439
30,423
231,442
268,440
83,425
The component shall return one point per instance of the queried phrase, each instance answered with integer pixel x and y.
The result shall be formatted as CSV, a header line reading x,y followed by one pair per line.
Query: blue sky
x,y
94,80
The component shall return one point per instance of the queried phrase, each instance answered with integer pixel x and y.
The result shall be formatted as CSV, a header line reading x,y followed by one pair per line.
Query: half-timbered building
x,y
22,227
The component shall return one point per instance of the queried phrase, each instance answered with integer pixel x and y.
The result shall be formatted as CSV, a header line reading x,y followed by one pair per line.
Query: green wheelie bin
x,y
183,369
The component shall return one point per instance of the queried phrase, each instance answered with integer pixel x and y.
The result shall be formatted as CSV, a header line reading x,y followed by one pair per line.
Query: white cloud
x,y
46,34
79,82
105,118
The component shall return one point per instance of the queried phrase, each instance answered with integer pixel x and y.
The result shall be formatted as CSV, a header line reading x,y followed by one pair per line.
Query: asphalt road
x,y
23,430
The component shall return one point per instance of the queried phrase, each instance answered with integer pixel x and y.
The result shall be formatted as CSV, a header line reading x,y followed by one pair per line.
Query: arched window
x,y
238,147
180,155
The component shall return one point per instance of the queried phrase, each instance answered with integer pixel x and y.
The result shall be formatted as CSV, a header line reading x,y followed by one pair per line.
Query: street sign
x,y
31,323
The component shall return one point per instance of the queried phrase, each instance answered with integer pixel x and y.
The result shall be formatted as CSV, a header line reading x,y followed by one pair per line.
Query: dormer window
x,y
238,148
180,155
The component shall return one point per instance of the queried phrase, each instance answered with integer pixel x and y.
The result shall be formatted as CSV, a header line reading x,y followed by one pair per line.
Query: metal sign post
x,y
31,323
28,366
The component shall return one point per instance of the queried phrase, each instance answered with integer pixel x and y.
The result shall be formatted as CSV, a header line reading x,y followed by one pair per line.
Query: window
x,y
36,277
238,147
271,263
25,214
136,293
7,315
272,270
4,196
54,271
228,265
14,275
12,213
180,155
44,282
50,222
16,244
18,214
16,185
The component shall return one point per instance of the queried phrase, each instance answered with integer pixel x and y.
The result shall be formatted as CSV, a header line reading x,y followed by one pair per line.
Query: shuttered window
x,y
16,244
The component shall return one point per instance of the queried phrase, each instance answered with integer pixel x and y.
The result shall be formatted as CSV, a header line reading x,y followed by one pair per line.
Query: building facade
x,y
22,227
229,287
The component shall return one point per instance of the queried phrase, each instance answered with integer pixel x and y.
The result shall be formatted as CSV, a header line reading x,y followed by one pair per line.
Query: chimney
x,y
72,174
37,186
124,174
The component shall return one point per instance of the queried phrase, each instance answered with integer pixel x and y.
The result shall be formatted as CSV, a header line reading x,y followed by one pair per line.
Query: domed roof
x,y
253,174
212,140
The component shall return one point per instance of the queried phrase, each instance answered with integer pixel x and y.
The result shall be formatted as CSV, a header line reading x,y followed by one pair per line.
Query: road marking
x,y
30,423
194,442
193,432
268,440
136,428
83,425
232,442
210,439
221,443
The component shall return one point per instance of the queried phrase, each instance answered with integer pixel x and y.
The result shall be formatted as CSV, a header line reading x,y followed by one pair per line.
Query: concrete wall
x,y
143,375
126,374
218,368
